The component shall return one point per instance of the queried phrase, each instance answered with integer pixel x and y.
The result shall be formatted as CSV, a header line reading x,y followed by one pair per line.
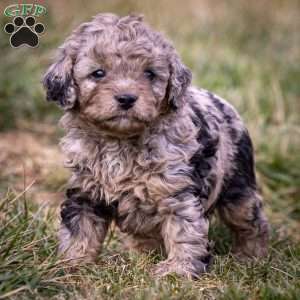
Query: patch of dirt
x,y
31,158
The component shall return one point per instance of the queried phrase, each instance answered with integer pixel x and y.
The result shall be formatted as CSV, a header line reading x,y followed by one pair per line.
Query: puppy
x,y
149,151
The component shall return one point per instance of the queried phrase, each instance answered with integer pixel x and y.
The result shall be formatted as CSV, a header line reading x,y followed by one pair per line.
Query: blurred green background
x,y
246,51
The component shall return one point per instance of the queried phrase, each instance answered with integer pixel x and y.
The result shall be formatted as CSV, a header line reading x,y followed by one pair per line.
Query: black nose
x,y
126,100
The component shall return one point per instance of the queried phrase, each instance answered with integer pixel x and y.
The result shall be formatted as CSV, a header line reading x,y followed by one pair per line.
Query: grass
x,y
245,52
29,266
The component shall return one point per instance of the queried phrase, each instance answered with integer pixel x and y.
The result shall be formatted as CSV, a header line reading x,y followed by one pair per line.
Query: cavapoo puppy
x,y
148,151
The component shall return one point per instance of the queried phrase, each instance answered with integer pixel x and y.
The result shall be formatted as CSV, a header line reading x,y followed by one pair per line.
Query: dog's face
x,y
122,84
118,75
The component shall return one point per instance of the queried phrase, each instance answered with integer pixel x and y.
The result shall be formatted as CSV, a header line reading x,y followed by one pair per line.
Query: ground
x,y
247,53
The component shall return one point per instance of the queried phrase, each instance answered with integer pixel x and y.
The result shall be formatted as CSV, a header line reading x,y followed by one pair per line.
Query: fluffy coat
x,y
159,168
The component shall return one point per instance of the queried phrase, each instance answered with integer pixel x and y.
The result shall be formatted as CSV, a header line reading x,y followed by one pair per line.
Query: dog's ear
x,y
59,83
180,78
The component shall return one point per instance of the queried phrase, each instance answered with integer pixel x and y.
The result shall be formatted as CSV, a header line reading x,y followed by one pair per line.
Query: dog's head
x,y
118,74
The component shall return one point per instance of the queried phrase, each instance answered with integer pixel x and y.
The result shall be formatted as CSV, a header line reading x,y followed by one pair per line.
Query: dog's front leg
x,y
185,234
83,228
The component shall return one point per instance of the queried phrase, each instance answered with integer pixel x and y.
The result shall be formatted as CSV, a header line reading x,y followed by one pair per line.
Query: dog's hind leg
x,y
248,224
240,205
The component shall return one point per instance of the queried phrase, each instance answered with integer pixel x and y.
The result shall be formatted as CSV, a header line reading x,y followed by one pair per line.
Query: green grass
x,y
29,266
248,53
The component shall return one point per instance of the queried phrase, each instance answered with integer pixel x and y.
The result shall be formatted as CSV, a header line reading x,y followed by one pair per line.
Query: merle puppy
x,y
149,151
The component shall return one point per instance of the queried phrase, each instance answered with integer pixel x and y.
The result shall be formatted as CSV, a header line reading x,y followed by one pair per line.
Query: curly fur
x,y
159,168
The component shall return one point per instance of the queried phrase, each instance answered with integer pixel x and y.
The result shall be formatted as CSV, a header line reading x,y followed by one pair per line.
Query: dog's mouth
x,y
123,125
125,118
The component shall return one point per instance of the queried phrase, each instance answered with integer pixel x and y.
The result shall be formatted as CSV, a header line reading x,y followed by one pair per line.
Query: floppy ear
x,y
59,83
180,79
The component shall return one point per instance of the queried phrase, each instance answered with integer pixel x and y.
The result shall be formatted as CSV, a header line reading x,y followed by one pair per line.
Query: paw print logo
x,y
24,32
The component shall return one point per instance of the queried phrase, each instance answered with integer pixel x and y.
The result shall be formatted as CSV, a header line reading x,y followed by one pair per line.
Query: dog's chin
x,y
123,126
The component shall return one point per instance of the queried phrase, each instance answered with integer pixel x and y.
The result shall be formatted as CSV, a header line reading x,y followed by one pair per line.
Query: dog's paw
x,y
162,269
246,255
189,269
24,32
251,249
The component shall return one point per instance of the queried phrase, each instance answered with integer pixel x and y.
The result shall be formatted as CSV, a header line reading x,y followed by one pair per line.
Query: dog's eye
x,y
98,74
150,74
